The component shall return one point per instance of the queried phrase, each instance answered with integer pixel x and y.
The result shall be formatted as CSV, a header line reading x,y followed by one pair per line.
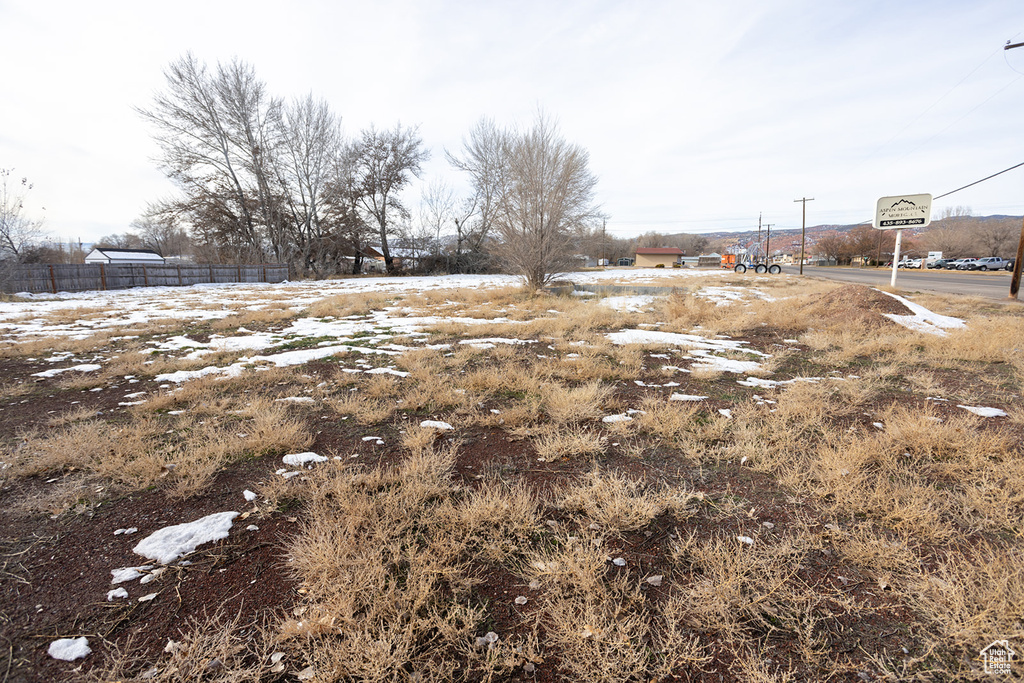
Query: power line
x,y
973,109
979,181
932,105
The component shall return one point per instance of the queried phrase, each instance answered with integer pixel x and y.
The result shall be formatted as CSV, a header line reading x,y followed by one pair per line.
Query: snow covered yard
x,y
528,467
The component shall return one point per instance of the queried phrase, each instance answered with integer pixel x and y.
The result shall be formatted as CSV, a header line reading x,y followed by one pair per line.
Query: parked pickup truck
x,y
987,263
959,263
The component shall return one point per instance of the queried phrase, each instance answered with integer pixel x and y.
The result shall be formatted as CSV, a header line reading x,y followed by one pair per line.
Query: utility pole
x,y
1015,280
803,230
768,244
757,259
604,241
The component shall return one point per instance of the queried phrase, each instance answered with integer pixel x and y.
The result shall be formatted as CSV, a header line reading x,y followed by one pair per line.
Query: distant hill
x,y
788,241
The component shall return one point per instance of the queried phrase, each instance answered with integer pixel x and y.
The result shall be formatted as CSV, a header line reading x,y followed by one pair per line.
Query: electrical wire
x,y
979,181
974,109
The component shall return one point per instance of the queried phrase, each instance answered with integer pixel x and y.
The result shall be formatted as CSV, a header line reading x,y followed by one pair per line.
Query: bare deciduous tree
x,y
200,124
312,140
543,194
386,163
481,158
18,232
162,234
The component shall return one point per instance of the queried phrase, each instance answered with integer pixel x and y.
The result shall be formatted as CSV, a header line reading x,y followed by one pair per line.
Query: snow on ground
x,y
100,311
84,367
922,319
724,296
373,332
702,349
170,543
983,411
628,304
69,649
299,459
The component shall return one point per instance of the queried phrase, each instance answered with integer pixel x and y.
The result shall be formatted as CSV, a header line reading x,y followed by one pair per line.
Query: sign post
x,y
898,213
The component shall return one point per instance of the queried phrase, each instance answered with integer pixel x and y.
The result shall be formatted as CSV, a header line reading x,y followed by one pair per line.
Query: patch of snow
x,y
116,593
84,367
248,495
436,424
616,418
686,397
628,304
922,319
300,459
128,573
491,342
69,649
295,399
982,411
387,371
170,543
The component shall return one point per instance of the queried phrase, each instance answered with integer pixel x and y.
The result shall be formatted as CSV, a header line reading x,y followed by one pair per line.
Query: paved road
x,y
988,285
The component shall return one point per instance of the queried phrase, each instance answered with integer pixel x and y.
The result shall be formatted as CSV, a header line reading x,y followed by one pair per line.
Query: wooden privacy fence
x,y
90,276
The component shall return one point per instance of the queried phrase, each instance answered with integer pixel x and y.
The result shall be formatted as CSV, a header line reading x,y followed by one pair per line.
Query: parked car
x,y
965,263
909,263
941,263
955,265
987,263
1009,264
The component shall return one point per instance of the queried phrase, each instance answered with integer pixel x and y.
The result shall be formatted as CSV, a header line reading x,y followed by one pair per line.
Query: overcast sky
x,y
697,115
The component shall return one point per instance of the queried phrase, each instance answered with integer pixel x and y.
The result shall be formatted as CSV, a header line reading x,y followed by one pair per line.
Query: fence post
x,y
145,277
53,280
239,278
179,276
103,278
211,273
264,272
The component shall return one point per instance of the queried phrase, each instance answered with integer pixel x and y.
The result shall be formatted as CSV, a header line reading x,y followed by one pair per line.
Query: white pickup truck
x,y
987,263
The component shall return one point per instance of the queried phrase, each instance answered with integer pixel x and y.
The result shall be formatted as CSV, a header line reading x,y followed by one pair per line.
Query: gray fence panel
x,y
47,278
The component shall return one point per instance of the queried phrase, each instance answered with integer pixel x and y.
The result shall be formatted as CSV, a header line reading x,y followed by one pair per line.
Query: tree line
x,y
955,233
263,179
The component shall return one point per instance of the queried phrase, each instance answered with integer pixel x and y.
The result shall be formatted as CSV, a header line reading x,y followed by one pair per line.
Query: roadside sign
x,y
906,211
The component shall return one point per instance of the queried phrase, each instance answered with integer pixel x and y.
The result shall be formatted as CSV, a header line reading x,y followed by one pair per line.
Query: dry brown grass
x,y
344,305
383,561
555,443
573,405
210,648
970,600
616,503
927,508
146,451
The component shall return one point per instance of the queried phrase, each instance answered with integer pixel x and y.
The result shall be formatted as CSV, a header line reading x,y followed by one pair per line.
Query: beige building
x,y
650,257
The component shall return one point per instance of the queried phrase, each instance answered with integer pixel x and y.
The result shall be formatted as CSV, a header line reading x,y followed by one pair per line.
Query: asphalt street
x,y
992,285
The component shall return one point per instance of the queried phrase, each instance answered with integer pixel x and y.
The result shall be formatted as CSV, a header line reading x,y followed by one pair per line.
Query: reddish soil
x,y
55,571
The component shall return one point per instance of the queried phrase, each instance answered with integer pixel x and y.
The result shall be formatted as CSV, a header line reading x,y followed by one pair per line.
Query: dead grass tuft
x,y
555,443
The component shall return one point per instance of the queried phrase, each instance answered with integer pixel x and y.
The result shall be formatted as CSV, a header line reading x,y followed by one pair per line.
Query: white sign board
x,y
908,211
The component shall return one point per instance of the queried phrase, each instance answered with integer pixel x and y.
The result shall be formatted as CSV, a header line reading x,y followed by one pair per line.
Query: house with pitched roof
x,y
652,257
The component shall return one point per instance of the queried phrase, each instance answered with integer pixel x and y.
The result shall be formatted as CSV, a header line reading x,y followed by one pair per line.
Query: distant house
x,y
402,257
651,257
133,257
